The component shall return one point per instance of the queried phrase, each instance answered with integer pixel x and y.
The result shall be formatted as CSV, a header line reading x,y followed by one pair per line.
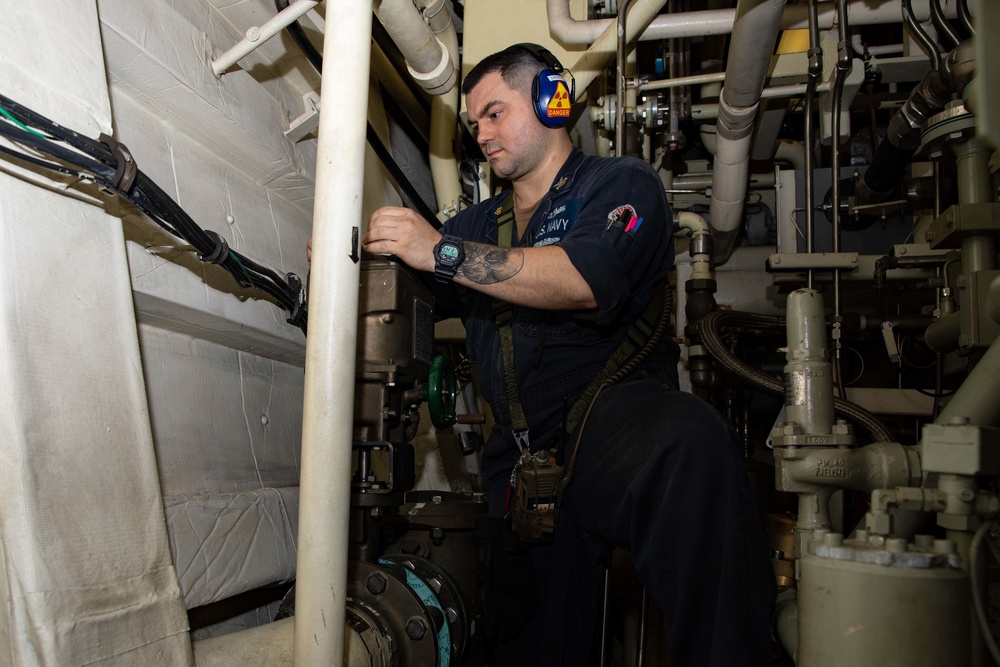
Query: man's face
x,y
511,138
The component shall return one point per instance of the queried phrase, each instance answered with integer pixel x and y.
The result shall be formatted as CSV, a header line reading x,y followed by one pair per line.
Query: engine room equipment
x,y
403,608
871,600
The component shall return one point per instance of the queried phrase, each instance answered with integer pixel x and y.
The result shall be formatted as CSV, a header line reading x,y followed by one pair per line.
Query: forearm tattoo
x,y
487,264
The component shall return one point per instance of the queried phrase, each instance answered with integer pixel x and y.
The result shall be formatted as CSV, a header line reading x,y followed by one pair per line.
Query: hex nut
x,y
376,583
416,628
879,523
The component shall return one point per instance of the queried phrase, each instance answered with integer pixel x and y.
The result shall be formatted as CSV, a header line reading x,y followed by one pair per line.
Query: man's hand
x,y
401,232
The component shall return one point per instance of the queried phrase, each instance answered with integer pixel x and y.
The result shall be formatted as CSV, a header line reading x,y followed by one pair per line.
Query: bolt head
x,y
376,583
416,628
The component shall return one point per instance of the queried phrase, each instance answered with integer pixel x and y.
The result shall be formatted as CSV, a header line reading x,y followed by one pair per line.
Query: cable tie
x,y
221,251
125,168
298,312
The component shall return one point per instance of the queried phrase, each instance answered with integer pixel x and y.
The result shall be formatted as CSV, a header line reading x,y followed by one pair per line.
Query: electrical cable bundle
x,y
109,164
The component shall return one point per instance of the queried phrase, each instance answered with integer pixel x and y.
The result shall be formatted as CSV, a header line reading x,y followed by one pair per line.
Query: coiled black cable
x,y
711,337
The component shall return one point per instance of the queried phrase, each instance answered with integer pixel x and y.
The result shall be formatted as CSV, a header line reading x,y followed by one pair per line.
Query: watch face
x,y
448,253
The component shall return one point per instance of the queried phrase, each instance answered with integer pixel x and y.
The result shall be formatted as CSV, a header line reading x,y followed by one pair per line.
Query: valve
x,y
439,392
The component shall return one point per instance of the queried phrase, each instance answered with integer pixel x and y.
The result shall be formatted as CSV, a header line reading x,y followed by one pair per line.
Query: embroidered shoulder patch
x,y
625,213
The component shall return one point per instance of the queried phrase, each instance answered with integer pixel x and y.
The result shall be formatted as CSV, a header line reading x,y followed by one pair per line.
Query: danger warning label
x,y
559,104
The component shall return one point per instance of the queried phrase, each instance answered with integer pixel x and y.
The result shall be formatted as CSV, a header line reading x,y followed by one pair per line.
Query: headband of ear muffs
x,y
551,97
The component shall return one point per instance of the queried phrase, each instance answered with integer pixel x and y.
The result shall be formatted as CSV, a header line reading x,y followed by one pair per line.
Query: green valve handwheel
x,y
439,392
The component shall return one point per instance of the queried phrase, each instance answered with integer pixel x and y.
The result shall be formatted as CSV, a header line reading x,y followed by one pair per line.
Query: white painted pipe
x,y
427,59
692,80
691,221
701,263
875,49
703,181
257,35
570,31
792,152
444,118
710,111
754,34
602,52
331,347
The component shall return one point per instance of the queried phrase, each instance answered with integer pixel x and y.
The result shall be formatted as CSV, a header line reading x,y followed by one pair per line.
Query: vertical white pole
x,y
331,345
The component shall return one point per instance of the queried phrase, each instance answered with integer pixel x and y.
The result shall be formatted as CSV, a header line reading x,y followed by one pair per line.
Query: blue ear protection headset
x,y
551,96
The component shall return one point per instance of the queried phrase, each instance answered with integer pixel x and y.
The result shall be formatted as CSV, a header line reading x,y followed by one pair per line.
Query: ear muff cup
x,y
552,98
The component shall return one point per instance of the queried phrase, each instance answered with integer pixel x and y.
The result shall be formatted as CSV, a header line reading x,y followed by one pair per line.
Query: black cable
x,y
315,58
93,148
51,166
98,162
55,150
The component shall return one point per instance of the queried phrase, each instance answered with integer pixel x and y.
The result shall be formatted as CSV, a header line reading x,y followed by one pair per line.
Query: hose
x,y
712,339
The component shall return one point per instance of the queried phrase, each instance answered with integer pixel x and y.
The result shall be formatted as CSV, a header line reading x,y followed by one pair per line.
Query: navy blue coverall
x,y
659,471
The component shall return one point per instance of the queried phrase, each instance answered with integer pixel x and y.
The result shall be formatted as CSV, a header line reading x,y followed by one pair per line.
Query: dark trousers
x,y
659,473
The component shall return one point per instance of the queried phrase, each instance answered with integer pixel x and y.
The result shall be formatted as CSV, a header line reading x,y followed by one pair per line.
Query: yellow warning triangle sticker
x,y
559,104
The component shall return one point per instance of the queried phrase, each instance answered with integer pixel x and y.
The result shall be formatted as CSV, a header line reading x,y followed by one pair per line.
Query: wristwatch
x,y
449,254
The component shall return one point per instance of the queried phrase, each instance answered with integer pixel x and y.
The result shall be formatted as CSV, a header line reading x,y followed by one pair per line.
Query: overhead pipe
x,y
941,23
572,32
710,111
427,59
622,43
602,52
792,152
815,71
328,410
754,35
444,116
903,135
257,35
965,18
876,49
928,45
843,68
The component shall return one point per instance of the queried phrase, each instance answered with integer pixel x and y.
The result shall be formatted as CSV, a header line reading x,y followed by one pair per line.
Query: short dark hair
x,y
516,64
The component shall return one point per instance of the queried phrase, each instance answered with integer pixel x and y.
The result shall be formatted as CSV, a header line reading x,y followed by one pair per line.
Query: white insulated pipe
x,y
331,347
701,263
257,35
427,59
792,152
604,48
569,31
754,34
444,117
